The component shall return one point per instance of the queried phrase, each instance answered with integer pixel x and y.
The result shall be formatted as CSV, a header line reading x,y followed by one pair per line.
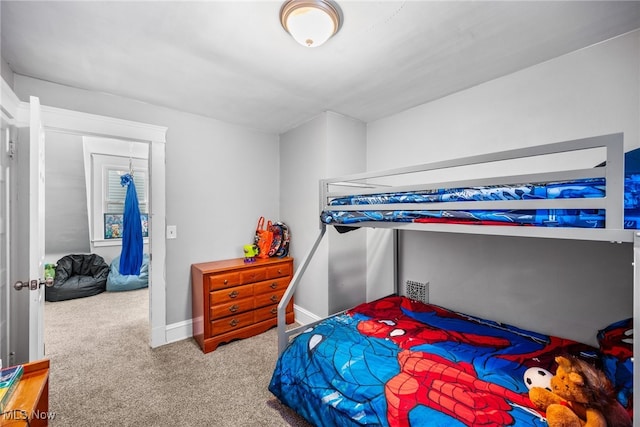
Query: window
x,y
113,198
105,163
115,193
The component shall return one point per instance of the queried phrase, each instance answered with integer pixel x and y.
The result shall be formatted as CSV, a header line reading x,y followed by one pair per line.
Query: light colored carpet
x,y
103,372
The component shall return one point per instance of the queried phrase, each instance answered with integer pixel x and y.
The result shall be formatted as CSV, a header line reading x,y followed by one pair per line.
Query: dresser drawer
x,y
280,270
223,281
231,308
231,323
253,275
231,294
270,311
270,286
265,313
269,298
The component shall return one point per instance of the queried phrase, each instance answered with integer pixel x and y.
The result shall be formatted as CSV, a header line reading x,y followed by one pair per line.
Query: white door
x,y
26,253
36,230
4,243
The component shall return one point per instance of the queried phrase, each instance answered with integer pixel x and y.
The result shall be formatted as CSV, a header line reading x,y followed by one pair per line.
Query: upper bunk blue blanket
x,y
583,218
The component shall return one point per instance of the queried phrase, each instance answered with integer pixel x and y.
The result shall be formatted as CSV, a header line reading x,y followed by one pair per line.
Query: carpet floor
x,y
103,372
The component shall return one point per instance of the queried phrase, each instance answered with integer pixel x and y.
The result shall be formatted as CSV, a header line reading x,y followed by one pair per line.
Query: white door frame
x,y
74,122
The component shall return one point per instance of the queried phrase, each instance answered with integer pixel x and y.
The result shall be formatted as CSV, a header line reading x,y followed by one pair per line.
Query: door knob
x,y
33,284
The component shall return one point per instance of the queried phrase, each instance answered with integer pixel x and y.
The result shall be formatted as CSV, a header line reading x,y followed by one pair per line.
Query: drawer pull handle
x,y
234,322
226,281
274,298
274,310
234,308
279,271
233,294
274,285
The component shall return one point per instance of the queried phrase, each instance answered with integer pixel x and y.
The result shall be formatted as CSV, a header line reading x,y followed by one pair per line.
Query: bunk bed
x,y
400,361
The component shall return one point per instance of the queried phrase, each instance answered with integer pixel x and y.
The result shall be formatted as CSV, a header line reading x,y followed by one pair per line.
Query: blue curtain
x,y
131,255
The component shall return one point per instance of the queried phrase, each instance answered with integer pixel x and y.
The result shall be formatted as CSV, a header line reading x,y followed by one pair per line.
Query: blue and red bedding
x,y
399,362
581,218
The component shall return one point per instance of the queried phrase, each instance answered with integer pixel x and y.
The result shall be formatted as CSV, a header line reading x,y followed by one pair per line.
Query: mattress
x,y
578,218
400,362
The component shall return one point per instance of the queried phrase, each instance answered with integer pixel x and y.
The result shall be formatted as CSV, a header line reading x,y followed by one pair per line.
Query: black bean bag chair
x,y
78,276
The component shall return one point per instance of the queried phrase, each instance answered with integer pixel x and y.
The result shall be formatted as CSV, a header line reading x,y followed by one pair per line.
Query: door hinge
x,y
11,149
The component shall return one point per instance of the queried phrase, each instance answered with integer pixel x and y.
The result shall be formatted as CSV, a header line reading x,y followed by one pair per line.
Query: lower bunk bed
x,y
400,362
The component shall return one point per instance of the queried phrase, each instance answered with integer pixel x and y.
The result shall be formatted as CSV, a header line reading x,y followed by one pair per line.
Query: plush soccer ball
x,y
537,377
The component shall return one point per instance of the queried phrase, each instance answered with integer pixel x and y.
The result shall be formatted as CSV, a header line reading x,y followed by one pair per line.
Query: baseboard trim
x,y
303,316
179,331
184,330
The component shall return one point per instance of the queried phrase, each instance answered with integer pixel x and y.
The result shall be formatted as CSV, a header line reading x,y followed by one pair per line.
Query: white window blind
x,y
115,193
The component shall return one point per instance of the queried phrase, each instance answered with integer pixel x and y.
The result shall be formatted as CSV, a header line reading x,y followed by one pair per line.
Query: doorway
x,y
82,124
77,123
83,194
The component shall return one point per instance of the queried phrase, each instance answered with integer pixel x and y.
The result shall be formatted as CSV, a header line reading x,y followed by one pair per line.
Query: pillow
x,y
125,282
616,348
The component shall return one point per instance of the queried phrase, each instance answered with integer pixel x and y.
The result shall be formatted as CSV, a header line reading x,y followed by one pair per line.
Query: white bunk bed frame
x,y
612,204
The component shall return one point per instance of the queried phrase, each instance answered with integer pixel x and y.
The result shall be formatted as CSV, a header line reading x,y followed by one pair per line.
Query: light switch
x,y
172,232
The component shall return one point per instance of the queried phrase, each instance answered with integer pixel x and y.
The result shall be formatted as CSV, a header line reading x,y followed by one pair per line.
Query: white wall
x,y
346,147
219,179
303,161
66,220
589,92
6,72
328,145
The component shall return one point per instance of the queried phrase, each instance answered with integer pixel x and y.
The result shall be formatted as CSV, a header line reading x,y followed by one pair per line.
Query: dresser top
x,y
235,264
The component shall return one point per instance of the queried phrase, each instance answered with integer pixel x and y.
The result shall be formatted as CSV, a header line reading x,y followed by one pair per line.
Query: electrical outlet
x,y
172,232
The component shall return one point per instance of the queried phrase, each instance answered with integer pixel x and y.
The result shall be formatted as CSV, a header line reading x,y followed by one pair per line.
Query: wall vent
x,y
417,291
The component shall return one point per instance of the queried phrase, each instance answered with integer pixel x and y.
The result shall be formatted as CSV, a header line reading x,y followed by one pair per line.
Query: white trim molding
x,y
303,316
10,105
179,331
94,125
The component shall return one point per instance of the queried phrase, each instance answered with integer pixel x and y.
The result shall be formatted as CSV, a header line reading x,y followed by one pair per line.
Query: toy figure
x,y
49,271
250,252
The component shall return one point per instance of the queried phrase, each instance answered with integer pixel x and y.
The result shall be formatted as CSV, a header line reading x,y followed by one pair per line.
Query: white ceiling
x,y
232,61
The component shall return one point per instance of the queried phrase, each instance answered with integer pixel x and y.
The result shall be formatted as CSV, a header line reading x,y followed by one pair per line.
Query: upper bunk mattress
x,y
580,218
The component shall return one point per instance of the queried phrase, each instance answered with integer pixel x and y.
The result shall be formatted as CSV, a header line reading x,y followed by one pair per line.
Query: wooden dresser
x,y
29,402
232,299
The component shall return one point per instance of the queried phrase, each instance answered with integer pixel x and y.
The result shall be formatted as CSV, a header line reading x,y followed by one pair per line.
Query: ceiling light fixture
x,y
311,22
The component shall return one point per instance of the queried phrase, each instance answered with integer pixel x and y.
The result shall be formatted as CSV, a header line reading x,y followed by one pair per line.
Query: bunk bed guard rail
x,y
371,183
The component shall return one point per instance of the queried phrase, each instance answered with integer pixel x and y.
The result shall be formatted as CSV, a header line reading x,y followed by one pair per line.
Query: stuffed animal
x,y
580,396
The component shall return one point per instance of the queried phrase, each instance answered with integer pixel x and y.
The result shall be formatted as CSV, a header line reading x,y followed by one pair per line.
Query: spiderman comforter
x,y
399,362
